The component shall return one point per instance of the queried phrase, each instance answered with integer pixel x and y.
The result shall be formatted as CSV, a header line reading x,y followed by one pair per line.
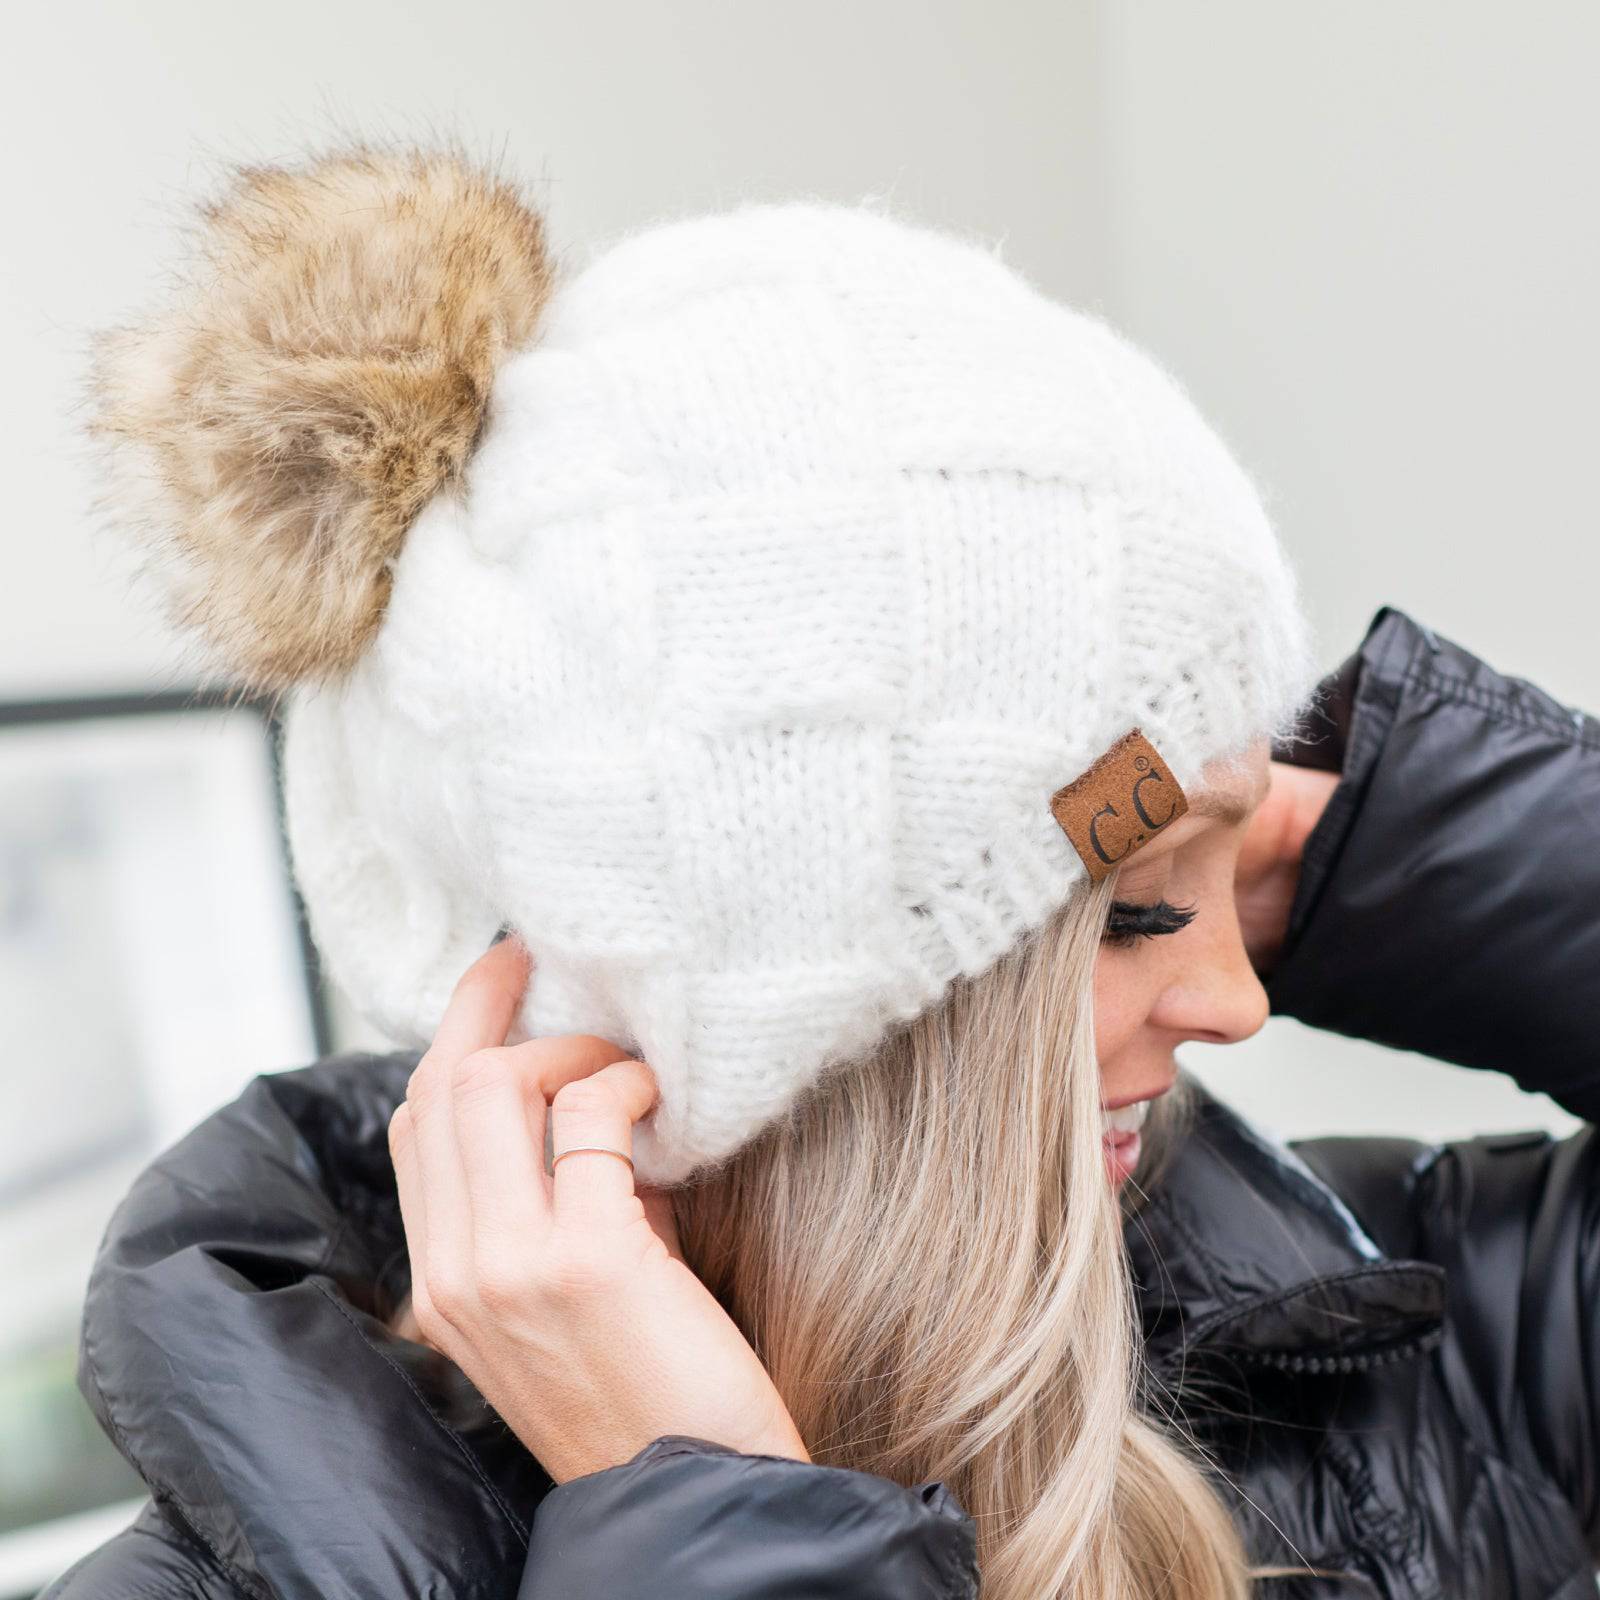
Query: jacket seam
x,y
1373,709
171,1505
1505,707
185,1585
958,1561
1219,1321
1540,1487
462,1449
961,1561
182,1588
197,1587
335,1239
1197,1248
954,1538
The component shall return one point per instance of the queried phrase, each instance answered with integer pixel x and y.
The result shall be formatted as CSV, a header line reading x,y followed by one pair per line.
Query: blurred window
x,y
153,958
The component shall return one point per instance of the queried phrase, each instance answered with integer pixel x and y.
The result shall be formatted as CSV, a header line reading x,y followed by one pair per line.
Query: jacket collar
x,y
233,1342
233,1346
1243,1256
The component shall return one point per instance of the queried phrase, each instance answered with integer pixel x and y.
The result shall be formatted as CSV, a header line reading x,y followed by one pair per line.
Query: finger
x,y
546,1064
477,1017
543,1066
441,1179
500,1139
591,1187
403,1156
500,1103
484,1002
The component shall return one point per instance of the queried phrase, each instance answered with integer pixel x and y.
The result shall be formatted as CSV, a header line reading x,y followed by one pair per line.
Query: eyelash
x,y
1129,922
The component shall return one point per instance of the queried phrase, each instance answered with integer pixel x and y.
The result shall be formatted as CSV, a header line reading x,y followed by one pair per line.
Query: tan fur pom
x,y
324,372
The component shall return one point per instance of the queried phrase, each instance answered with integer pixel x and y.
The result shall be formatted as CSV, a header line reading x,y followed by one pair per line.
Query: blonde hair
x,y
928,1258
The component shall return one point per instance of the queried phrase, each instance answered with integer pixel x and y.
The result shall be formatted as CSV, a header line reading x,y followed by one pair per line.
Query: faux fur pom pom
x,y
324,370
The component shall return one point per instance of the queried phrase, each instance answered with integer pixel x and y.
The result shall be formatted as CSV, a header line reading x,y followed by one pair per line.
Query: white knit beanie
x,y
791,560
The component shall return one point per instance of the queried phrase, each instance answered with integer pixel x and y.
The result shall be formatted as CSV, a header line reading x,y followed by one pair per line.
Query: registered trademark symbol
x,y
1141,762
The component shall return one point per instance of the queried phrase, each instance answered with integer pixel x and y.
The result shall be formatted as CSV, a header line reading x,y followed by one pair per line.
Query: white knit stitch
x,y
805,556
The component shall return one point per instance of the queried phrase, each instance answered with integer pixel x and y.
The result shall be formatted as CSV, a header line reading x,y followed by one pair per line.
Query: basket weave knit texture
x,y
807,552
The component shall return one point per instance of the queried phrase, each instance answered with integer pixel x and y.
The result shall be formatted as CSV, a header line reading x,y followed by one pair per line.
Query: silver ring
x,y
592,1149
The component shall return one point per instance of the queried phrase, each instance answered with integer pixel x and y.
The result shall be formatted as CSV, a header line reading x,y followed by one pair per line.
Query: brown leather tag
x,y
1119,805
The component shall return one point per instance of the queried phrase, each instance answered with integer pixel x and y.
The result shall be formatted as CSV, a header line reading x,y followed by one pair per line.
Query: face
x,y
1192,982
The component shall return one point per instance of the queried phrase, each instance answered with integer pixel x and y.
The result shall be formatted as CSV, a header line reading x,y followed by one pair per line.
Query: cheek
x,y
1125,992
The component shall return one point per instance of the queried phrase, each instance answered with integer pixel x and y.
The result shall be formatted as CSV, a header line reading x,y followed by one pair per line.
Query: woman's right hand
x,y
1268,869
565,1298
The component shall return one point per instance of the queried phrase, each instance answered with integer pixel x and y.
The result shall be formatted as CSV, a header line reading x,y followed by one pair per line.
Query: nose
x,y
1219,998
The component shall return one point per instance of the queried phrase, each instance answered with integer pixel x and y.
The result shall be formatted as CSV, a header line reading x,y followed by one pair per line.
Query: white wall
x,y
975,116
1361,235
1366,237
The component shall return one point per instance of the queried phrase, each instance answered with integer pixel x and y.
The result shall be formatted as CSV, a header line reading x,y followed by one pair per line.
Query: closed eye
x,y
1129,921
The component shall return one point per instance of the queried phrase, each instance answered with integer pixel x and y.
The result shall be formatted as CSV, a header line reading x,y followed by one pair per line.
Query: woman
x,y
853,678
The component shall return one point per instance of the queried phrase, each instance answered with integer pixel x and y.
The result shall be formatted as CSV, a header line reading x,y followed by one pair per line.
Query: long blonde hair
x,y
928,1258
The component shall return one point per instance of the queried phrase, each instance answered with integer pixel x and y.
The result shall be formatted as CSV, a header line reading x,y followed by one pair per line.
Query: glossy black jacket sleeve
x,y
690,1520
1448,905
1449,899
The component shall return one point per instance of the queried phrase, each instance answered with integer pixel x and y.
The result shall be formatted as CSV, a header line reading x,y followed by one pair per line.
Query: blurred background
x,y
1363,237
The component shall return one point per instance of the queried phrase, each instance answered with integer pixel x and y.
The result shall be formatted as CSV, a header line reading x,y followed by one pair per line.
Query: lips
x,y
1122,1157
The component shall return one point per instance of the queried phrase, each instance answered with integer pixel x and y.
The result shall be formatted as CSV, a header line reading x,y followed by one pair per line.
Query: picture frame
x,y
154,957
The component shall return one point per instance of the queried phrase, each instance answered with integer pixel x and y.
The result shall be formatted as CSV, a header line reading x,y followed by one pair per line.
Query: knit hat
x,y
722,616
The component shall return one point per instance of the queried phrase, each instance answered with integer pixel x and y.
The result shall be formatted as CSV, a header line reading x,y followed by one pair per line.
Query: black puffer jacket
x,y
1392,1348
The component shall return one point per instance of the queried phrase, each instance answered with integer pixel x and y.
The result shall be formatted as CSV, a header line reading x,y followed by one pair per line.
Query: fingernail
x,y
505,929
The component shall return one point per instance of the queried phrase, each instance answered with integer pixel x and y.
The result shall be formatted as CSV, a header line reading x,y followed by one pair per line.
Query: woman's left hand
x,y
1268,869
565,1298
